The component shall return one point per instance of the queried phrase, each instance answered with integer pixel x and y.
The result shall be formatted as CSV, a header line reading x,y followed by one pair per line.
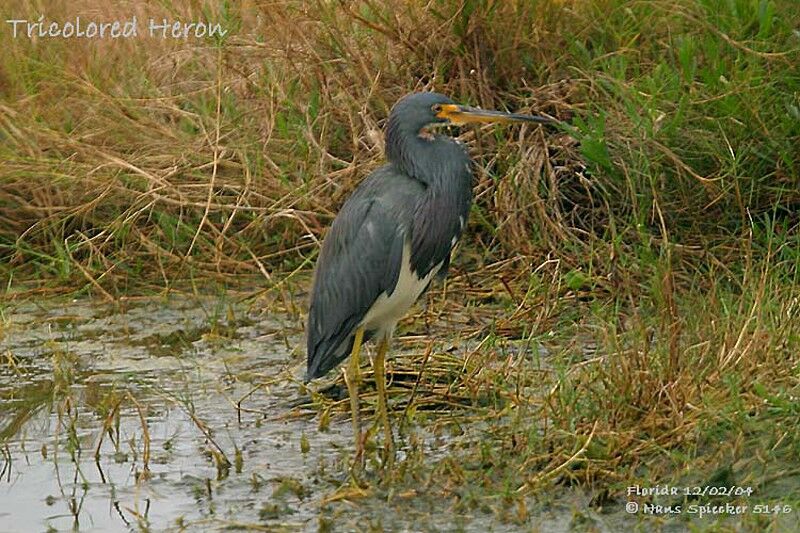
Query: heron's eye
x,y
436,108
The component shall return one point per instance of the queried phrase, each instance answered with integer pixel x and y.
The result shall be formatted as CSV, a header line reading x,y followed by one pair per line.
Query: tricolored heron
x,y
391,237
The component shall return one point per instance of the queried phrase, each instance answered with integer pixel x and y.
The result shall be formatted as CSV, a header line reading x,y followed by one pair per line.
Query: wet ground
x,y
170,414
181,414
157,415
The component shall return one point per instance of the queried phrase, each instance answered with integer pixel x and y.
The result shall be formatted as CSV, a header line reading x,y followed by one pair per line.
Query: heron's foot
x,y
388,437
388,454
387,450
351,487
357,465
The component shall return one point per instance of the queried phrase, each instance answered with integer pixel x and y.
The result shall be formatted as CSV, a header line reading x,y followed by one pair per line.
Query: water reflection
x,y
128,419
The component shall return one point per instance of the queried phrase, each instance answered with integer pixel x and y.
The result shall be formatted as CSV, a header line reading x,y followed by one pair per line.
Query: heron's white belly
x,y
387,310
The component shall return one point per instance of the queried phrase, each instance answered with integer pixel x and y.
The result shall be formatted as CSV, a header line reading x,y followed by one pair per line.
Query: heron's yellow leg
x,y
352,379
379,367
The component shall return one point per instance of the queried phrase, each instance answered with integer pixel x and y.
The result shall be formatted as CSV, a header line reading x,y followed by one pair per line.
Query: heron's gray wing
x,y
360,259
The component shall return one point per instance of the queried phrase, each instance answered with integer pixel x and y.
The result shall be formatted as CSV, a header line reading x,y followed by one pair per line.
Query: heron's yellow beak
x,y
460,114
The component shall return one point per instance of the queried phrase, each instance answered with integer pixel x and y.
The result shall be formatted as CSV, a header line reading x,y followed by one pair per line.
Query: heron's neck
x,y
418,157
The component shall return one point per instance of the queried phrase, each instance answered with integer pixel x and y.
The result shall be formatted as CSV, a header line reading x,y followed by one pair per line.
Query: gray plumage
x,y
420,199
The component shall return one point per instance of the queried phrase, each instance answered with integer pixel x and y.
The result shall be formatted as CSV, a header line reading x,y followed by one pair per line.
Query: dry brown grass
x,y
159,158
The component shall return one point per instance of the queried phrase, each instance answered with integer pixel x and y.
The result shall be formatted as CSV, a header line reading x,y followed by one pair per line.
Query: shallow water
x,y
178,414
206,379
181,367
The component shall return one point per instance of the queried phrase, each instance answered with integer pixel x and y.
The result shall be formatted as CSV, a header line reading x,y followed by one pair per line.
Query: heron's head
x,y
414,112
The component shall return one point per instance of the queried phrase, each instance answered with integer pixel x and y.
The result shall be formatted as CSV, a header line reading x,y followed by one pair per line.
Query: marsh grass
x,y
660,227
